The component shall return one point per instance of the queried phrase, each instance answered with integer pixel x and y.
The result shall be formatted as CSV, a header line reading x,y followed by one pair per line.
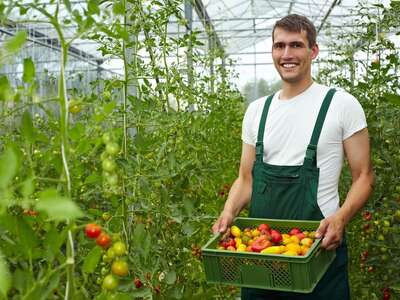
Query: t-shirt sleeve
x,y
249,135
352,116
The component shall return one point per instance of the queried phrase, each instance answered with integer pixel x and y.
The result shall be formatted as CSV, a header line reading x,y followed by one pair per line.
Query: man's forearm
x,y
239,196
357,196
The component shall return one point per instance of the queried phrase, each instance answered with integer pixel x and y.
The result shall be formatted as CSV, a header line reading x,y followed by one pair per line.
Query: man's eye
x,y
296,45
278,46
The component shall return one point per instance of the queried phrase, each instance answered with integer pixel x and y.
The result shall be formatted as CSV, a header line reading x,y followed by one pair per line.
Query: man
x,y
294,143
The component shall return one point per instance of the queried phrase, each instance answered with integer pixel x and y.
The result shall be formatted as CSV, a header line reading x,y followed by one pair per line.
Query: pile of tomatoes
x,y
264,239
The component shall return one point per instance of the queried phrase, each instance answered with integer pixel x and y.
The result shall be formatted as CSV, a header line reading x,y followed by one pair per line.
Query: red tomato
x,y
228,242
103,240
300,235
260,244
138,283
92,230
263,227
294,231
276,236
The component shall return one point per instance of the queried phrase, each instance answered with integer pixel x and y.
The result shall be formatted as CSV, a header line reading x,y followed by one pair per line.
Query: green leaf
x,y
5,278
29,70
15,43
6,92
67,5
26,235
27,187
142,293
118,8
109,107
170,277
392,98
92,259
8,167
58,207
27,128
93,7
138,234
53,241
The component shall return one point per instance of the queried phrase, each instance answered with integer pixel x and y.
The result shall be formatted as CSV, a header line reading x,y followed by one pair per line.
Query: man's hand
x,y
331,231
223,222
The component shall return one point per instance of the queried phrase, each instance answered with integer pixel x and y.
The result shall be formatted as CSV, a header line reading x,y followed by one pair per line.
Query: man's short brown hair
x,y
297,23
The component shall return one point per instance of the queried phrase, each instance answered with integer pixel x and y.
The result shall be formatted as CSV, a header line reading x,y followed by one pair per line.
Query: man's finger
x,y
320,232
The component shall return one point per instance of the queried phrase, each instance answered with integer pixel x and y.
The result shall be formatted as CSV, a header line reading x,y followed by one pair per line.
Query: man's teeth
x,y
289,65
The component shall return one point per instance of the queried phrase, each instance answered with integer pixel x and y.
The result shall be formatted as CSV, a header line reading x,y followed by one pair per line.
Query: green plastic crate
x,y
267,271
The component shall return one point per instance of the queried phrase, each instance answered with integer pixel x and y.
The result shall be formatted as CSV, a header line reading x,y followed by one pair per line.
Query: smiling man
x,y
294,144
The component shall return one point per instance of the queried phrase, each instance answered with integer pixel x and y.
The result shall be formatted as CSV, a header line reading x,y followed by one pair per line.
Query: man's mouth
x,y
289,65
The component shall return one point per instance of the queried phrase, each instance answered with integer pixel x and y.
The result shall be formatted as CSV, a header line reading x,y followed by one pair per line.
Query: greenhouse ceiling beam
x,y
327,15
290,7
54,44
206,20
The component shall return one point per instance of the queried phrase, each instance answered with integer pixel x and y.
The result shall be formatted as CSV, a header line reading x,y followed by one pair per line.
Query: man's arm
x,y
357,150
240,192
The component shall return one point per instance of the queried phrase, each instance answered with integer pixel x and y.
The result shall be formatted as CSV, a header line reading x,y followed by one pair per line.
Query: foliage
x,y
256,89
374,235
147,158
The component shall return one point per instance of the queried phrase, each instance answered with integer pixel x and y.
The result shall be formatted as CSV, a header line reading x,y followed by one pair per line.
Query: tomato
x,y
103,240
367,216
106,216
263,228
103,155
108,165
110,282
112,148
92,230
120,268
260,243
294,231
138,283
74,106
30,212
106,138
112,179
228,242
276,236
119,248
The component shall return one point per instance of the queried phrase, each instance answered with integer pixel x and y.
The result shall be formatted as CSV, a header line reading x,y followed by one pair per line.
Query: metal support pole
x,y
189,53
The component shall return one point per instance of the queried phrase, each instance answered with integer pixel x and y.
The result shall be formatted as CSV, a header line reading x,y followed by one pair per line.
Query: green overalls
x,y
290,192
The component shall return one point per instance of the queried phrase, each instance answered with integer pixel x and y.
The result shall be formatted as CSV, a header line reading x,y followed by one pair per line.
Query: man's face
x,y
292,56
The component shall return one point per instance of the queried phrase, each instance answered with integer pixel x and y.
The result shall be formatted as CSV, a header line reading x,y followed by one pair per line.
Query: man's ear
x,y
314,51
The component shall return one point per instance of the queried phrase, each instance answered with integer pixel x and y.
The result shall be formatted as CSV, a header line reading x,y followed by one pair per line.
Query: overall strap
x,y
311,152
261,129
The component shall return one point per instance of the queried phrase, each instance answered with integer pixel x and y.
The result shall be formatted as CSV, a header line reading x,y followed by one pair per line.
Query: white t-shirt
x,y
289,128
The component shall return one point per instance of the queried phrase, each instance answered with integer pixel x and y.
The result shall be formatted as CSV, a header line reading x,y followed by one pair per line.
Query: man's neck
x,y
290,90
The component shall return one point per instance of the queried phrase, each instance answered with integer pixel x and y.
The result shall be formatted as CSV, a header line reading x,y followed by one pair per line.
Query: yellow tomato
x,y
306,233
245,239
285,236
241,248
295,239
311,234
289,252
307,242
255,232
235,231
238,241
293,247
286,241
304,250
273,250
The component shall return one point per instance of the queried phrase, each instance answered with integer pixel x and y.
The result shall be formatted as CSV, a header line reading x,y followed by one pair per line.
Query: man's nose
x,y
287,51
